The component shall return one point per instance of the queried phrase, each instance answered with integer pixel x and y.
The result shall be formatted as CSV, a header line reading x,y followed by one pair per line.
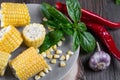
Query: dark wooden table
x,y
109,10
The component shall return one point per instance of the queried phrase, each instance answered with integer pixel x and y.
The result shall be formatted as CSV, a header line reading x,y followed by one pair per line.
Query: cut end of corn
x,y
4,58
28,63
15,14
10,39
34,35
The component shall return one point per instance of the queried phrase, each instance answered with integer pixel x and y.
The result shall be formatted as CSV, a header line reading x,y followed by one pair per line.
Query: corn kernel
x,y
46,70
70,53
47,52
44,19
49,68
54,47
50,29
42,74
56,56
49,56
43,54
62,64
63,39
51,49
59,43
67,57
62,58
38,50
37,77
53,61
58,51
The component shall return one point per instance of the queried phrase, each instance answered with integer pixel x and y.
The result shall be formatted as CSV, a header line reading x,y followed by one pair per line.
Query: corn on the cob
x,y
34,35
10,39
28,63
15,14
4,58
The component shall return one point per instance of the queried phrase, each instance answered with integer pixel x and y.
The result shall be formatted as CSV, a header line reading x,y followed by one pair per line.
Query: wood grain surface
x,y
109,10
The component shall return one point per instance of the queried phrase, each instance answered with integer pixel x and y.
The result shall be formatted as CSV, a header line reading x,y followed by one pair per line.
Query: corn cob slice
x,y
28,63
34,35
4,58
15,14
10,39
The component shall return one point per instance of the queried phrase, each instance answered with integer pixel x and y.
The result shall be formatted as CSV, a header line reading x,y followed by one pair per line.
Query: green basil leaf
x,y
81,26
87,41
51,39
55,36
58,15
76,41
54,13
46,44
68,31
44,10
73,8
51,24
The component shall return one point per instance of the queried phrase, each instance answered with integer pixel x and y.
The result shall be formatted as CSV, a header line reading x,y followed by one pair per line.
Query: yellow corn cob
x,y
10,39
34,35
28,63
4,58
15,14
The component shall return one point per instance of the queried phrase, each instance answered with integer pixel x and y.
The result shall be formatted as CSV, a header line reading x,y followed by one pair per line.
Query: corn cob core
x,y
10,39
4,58
28,63
15,14
34,35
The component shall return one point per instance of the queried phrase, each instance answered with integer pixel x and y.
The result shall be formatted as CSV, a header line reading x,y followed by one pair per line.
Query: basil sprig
x,y
72,27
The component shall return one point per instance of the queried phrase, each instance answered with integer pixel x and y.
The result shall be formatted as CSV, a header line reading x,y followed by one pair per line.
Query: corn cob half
x,y
28,63
15,14
10,39
34,35
4,58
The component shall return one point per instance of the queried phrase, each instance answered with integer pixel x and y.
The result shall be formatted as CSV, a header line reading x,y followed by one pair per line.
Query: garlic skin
x,y
99,61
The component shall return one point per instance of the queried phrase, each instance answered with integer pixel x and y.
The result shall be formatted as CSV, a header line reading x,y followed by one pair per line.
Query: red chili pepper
x,y
94,17
104,36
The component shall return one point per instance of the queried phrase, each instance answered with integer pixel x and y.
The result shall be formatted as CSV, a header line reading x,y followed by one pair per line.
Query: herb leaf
x,y
51,39
44,10
73,8
87,41
81,26
76,41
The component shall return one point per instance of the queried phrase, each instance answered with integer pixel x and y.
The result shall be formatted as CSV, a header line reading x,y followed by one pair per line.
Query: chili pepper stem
x,y
98,46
